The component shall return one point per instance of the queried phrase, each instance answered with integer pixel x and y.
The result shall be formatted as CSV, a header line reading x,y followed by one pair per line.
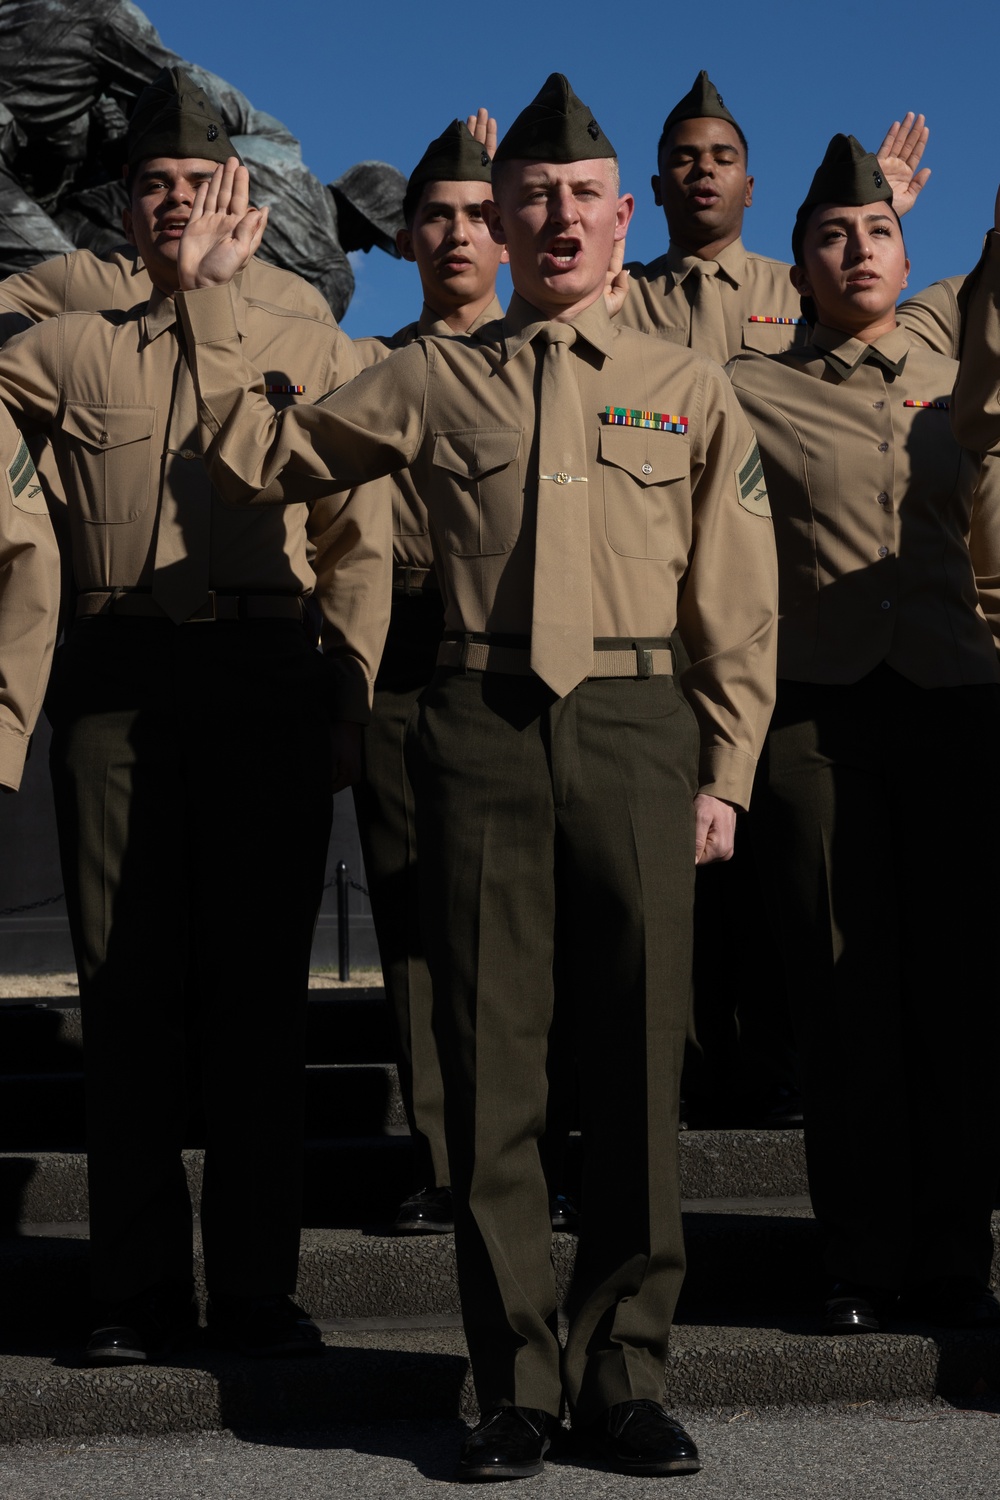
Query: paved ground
x,y
46,985
925,1452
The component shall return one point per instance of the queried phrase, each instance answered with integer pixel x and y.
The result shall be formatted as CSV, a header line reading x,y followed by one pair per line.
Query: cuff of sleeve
x,y
350,690
13,752
208,316
727,773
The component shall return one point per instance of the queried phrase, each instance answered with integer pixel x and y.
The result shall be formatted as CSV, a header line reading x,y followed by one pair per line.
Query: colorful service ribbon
x,y
624,416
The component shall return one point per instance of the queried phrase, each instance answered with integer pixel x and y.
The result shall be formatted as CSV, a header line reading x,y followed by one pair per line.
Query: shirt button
x,y
883,447
883,552
647,468
886,604
883,498
103,439
878,405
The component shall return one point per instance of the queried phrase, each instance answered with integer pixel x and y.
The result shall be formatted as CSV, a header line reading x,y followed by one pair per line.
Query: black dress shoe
x,y
565,1215
140,1328
639,1437
509,1443
428,1212
851,1308
954,1302
272,1327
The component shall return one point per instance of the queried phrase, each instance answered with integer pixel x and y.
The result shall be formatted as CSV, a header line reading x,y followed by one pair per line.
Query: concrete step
x,y
743,1259
407,1372
46,1110
343,1026
363,1180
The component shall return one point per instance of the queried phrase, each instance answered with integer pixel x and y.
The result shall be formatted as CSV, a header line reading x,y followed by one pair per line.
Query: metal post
x,y
343,921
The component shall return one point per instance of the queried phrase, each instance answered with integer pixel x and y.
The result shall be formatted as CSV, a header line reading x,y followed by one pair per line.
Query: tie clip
x,y
565,478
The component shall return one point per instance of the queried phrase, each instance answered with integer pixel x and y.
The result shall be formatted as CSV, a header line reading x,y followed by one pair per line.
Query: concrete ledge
x,y
409,1373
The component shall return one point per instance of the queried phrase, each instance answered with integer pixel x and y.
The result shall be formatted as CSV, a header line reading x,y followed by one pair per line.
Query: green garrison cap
x,y
702,102
172,117
848,174
455,156
555,127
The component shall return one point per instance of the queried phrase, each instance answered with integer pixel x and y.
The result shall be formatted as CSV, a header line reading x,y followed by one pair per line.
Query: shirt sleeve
x,y
371,427
975,412
29,599
932,317
984,542
31,296
727,610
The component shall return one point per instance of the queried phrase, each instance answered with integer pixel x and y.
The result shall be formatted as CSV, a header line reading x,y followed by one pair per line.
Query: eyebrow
x,y
835,220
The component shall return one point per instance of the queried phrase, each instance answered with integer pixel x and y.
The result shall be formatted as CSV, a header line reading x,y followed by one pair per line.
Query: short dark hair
x,y
665,135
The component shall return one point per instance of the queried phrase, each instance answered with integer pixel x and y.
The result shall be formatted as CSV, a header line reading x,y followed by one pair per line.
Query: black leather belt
x,y
407,580
613,656
138,604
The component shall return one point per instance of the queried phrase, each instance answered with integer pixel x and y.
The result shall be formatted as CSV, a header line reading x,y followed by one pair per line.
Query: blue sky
x,y
363,80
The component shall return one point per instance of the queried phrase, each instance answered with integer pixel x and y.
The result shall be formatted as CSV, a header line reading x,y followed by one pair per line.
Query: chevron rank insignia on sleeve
x,y
22,482
750,486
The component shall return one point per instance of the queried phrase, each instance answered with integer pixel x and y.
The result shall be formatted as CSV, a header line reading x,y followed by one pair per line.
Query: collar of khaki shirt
x,y
732,262
430,325
522,322
161,312
850,353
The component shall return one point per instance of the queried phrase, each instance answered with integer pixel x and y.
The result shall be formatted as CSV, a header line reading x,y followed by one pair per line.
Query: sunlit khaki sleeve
x,y
29,600
984,541
975,413
369,428
30,296
933,318
728,601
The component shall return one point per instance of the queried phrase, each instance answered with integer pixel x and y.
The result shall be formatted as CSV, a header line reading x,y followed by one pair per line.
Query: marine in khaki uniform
x,y
457,258
888,703
711,293
191,762
588,489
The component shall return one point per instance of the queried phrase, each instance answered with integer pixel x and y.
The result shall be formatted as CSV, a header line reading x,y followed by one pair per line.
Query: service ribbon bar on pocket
x,y
285,390
937,405
766,318
624,416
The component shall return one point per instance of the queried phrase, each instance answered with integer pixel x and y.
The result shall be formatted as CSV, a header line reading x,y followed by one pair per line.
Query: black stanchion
x,y
343,932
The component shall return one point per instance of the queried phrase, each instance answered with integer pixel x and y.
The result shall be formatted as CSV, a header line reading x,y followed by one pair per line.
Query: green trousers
x,y
191,771
383,800
876,816
560,827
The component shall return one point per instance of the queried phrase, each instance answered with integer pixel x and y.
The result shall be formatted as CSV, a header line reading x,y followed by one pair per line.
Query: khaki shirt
x,y
933,317
679,526
411,542
873,500
29,599
85,282
754,290
976,411
113,394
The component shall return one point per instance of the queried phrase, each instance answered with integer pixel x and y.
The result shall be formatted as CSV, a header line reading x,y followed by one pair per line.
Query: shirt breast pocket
x,y
774,338
109,453
479,504
647,481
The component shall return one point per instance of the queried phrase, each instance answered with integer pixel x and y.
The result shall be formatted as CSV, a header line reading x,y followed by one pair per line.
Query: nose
x,y
459,234
563,207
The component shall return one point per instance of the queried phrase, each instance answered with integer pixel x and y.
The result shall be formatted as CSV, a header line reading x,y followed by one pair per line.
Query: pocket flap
x,y
477,451
649,457
106,427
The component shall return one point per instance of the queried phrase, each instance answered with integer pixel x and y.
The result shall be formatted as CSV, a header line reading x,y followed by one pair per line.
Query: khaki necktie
x,y
562,616
708,317
183,536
